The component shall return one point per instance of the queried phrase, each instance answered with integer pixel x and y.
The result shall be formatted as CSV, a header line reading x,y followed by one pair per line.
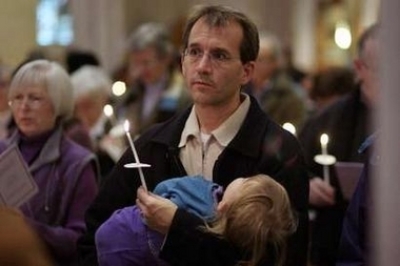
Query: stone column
x,y
303,33
99,26
386,182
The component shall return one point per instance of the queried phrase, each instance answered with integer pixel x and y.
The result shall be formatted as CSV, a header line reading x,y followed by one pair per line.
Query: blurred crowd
x,y
86,139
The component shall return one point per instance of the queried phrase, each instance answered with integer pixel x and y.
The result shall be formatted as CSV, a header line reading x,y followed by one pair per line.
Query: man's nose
x,y
205,63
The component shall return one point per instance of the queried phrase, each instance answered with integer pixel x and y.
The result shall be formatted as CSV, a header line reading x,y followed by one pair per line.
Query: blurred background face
x,y
265,67
146,66
367,70
89,109
33,111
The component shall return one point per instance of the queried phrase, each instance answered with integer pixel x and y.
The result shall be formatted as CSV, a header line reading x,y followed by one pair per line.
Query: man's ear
x,y
358,65
182,64
248,70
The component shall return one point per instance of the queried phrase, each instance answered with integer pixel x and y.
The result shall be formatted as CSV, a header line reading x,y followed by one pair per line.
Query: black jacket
x,y
260,146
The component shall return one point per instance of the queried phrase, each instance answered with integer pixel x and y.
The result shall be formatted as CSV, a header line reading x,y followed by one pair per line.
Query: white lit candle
x,y
324,143
109,112
290,127
128,134
118,88
324,148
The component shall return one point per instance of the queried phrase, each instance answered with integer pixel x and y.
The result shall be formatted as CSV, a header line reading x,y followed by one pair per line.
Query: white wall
x,y
17,30
303,33
99,26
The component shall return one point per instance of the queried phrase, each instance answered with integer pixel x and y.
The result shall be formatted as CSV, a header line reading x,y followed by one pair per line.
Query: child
x,y
254,213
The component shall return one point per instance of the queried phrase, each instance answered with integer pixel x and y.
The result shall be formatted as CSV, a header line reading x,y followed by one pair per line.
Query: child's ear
x,y
221,206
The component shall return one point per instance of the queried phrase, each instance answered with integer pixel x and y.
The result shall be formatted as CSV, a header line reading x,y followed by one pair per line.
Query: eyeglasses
x,y
32,101
217,57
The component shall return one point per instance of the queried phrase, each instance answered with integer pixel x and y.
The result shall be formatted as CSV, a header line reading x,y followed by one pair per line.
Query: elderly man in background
x,y
348,123
275,91
157,90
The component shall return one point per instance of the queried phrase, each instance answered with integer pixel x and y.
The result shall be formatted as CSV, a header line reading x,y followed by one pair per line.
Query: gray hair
x,y
53,78
370,33
91,81
154,35
272,43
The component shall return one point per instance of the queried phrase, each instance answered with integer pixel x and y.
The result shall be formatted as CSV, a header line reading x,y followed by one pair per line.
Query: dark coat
x,y
203,248
281,101
260,146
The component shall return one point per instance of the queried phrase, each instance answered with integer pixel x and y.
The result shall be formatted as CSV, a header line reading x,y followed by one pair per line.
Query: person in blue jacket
x,y
354,244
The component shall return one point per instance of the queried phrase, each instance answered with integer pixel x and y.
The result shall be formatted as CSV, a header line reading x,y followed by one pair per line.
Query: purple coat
x,y
66,177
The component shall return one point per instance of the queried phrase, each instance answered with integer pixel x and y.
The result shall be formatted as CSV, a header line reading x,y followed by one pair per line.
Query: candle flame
x,y
108,110
324,139
126,125
290,127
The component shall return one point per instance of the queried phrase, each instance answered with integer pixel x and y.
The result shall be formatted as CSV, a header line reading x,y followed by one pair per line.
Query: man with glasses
x,y
224,135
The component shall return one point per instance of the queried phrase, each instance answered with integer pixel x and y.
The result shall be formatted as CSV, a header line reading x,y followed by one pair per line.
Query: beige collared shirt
x,y
198,156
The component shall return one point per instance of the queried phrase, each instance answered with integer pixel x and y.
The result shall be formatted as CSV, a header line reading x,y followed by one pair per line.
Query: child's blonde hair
x,y
258,218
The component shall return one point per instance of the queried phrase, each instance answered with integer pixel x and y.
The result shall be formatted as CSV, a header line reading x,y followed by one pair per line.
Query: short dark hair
x,y
75,59
332,81
370,33
219,16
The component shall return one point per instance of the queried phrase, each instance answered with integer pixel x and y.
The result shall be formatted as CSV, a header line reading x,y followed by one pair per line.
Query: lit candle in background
x,y
324,143
118,88
109,112
324,148
290,127
128,134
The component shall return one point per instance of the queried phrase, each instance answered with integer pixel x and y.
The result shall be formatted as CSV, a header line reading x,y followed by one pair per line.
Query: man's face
x,y
145,66
211,64
367,71
89,108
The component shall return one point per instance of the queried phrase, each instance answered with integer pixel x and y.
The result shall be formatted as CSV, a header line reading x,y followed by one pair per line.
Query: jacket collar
x,y
247,141
50,151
